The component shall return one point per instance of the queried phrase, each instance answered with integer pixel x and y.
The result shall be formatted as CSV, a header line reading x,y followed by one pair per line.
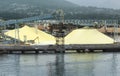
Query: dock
x,y
7,49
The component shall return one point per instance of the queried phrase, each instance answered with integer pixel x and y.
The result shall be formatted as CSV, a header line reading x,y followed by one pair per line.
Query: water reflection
x,y
99,64
114,65
57,68
60,65
80,65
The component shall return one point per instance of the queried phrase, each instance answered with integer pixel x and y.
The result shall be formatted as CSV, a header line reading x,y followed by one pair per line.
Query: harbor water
x,y
69,64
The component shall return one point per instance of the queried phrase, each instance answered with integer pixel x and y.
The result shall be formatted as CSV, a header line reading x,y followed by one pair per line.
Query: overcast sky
x,y
98,3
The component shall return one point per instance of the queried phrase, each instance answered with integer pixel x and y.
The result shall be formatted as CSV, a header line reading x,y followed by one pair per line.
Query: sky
x,y
98,3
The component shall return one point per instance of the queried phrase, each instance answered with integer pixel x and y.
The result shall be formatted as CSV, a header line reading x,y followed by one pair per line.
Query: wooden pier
x,y
54,48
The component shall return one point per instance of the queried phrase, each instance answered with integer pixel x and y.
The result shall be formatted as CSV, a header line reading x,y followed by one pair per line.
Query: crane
x,y
60,33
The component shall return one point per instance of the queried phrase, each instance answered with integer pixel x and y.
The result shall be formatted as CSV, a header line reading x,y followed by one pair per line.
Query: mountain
x,y
7,4
16,9
26,8
98,3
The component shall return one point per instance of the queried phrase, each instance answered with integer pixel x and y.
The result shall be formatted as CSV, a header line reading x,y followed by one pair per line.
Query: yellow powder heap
x,y
79,36
87,36
31,33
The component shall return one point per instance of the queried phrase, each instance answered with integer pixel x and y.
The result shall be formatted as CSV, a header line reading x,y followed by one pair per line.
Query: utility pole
x,y
17,36
116,31
4,34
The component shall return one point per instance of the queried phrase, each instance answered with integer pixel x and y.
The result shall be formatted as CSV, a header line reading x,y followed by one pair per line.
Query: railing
x,y
83,22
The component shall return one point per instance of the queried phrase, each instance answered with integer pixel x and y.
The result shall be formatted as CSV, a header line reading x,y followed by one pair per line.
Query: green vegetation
x,y
17,9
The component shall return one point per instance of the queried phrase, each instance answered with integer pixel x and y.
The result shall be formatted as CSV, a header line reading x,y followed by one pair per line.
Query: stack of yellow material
x,y
87,36
39,37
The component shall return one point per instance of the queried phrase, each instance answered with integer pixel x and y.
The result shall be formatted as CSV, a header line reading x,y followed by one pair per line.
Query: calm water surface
x,y
96,64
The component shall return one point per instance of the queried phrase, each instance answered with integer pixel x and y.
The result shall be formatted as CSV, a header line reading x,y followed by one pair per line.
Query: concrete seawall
x,y
55,48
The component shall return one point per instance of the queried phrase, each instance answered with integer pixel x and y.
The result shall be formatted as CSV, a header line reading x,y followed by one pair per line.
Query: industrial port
x,y
59,38
59,35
